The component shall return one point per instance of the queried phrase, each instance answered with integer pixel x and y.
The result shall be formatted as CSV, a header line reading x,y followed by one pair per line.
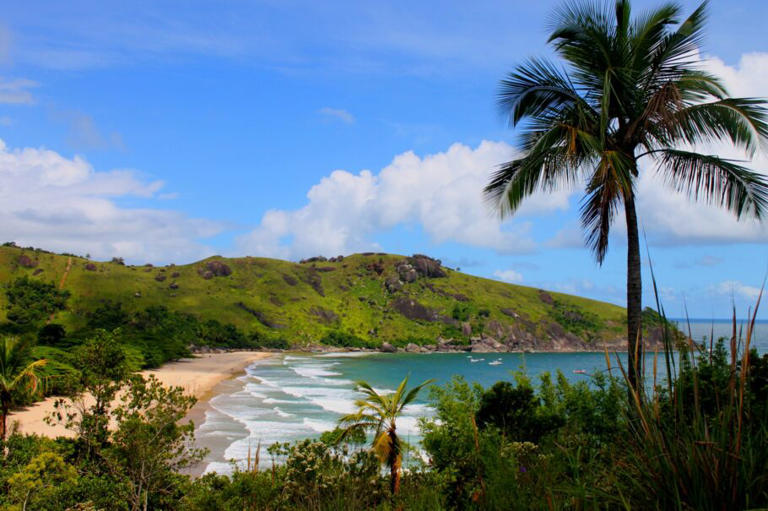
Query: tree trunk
x,y
634,298
4,422
394,466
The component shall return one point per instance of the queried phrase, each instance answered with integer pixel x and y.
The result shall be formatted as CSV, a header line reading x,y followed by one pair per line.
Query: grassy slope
x,y
352,291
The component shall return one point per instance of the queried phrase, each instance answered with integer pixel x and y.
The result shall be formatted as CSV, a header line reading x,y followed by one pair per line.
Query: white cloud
x,y
441,193
736,288
16,91
508,275
337,113
671,218
63,204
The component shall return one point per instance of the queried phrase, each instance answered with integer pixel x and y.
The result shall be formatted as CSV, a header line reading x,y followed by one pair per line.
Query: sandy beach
x,y
197,376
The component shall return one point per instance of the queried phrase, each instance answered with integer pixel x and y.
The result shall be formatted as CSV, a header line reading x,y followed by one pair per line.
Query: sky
x,y
169,131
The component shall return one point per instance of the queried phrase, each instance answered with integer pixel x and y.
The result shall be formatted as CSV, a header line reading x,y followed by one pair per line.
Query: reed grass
x,y
697,442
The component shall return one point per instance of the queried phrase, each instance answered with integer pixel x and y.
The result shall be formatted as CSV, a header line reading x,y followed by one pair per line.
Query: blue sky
x,y
169,131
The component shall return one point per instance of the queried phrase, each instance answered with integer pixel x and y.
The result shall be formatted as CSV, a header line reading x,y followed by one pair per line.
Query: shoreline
x,y
198,376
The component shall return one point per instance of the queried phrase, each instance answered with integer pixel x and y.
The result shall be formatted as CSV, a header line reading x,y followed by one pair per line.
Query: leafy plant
x,y
378,413
30,301
17,375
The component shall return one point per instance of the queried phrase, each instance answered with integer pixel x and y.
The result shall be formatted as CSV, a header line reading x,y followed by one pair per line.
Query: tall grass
x,y
699,441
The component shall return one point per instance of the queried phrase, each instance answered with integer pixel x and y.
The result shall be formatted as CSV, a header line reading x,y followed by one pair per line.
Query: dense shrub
x,y
31,301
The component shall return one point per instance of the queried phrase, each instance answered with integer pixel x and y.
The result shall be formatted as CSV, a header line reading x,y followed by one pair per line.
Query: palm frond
x,y
611,181
413,393
535,87
554,161
742,120
716,181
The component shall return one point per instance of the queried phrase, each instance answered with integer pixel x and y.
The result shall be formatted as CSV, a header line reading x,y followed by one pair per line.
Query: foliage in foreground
x,y
695,442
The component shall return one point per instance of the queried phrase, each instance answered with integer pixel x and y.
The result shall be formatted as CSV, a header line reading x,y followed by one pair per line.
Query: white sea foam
x,y
291,398
344,354
281,413
314,372
333,399
271,401
267,382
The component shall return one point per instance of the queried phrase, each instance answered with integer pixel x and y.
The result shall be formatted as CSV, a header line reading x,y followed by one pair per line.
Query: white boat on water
x,y
496,362
476,359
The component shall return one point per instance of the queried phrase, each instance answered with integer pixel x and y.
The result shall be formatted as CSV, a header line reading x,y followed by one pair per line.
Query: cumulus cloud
x,y
16,91
338,114
63,204
671,218
508,276
440,193
736,288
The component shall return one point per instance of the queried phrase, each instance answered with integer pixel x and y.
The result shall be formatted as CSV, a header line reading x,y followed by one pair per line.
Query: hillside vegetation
x,y
369,298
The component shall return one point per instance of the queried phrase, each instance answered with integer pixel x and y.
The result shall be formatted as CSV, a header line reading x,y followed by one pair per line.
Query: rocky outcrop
x,y
413,310
418,266
90,267
316,259
393,284
387,348
546,297
448,345
26,262
214,269
427,266
487,345
324,316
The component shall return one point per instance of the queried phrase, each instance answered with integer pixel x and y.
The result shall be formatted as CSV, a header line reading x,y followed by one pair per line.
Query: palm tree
x,y
379,413
630,90
15,373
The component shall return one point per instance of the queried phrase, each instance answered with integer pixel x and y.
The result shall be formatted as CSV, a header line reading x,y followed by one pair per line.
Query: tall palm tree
x,y
379,413
16,373
629,90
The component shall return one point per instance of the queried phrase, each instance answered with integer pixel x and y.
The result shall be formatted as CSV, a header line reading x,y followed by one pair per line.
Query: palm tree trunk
x,y
4,421
394,465
634,297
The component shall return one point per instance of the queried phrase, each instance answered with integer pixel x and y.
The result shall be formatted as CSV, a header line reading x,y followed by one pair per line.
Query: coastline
x,y
198,376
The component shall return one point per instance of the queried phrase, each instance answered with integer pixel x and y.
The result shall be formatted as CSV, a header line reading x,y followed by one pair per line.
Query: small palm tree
x,y
630,90
379,413
16,373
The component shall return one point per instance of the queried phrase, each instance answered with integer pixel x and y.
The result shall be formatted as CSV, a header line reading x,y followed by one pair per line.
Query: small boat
x,y
476,359
579,371
496,362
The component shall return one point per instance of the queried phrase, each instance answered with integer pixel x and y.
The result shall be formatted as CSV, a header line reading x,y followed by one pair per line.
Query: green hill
x,y
374,297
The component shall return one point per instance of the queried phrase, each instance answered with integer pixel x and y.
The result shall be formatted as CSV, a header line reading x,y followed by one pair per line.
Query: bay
x,y
294,396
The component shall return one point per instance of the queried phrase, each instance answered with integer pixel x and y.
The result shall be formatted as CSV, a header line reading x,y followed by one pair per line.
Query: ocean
x,y
293,396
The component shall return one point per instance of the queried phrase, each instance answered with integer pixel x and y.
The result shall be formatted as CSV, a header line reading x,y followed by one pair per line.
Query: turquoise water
x,y
294,396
